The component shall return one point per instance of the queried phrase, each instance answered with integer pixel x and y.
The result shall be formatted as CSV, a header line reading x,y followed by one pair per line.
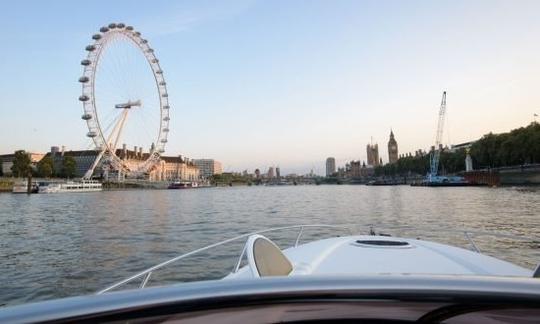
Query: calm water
x,y
69,244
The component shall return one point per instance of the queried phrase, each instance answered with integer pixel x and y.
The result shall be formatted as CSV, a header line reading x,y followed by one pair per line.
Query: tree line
x,y
518,147
22,166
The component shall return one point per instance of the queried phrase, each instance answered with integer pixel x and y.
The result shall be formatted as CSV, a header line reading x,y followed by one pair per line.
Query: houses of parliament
x,y
373,158
355,169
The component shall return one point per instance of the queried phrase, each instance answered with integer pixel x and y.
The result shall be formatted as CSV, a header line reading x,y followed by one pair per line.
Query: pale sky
x,y
288,83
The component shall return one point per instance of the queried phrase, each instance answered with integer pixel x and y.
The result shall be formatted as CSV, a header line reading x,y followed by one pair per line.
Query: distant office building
x,y
270,173
257,173
278,172
330,166
208,167
392,149
373,154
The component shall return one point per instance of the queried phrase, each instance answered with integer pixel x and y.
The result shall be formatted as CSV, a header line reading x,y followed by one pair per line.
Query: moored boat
x,y
182,185
71,186
22,187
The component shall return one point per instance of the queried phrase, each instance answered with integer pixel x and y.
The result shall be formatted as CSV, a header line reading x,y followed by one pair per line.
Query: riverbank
x,y
6,185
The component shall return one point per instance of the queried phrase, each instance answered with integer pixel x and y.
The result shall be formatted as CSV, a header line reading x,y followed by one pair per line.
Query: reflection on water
x,y
68,244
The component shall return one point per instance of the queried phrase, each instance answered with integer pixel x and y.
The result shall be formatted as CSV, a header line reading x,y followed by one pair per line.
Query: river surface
x,y
59,245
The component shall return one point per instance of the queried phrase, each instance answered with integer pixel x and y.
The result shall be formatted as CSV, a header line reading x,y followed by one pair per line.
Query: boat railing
x,y
467,234
145,275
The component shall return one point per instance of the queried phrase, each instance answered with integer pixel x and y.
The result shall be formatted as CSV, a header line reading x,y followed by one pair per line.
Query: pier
x,y
516,175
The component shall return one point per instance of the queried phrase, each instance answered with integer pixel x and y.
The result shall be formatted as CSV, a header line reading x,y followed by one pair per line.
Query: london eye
x,y
125,101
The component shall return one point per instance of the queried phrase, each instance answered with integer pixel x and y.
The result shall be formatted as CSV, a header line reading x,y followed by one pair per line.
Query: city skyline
x,y
287,87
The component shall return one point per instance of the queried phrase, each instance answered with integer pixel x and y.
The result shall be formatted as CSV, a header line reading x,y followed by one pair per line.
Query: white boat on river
x,y
354,278
70,186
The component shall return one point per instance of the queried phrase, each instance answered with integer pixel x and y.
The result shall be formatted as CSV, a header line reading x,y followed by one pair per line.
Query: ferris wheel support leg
x,y
120,126
90,171
116,131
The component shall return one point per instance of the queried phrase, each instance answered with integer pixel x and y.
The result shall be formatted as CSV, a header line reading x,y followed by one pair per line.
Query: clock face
x,y
393,147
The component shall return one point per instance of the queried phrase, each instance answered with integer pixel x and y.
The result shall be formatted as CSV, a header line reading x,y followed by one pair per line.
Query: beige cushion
x,y
269,259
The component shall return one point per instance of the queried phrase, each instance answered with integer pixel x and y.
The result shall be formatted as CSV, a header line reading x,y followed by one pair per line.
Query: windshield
x,y
355,137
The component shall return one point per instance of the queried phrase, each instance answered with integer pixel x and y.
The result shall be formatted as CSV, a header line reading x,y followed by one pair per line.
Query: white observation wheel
x,y
125,100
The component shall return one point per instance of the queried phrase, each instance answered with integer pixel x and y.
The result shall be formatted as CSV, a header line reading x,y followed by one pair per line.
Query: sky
x,y
283,83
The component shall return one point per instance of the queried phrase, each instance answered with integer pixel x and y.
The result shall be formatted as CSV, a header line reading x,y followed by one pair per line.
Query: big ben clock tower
x,y
392,149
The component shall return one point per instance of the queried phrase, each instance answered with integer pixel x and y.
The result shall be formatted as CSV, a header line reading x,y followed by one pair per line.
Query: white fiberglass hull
x,y
380,255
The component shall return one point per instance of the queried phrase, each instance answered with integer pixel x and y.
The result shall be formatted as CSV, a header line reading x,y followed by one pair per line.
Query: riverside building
x,y
330,166
168,168
175,168
6,161
208,167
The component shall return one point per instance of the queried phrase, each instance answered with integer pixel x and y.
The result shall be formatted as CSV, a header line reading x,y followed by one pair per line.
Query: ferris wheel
x,y
125,100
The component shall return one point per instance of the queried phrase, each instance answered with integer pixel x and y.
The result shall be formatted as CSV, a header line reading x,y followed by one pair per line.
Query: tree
x,y
45,167
519,146
69,167
21,164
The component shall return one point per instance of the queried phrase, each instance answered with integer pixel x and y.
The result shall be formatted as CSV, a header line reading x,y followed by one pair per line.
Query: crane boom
x,y
436,152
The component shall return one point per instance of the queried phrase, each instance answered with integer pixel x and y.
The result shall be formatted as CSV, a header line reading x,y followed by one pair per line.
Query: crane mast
x,y
436,152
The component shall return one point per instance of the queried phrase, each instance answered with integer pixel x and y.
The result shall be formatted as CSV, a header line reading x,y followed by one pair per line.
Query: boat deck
x,y
367,255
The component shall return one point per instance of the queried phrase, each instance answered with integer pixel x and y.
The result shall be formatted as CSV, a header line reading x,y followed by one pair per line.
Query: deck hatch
x,y
383,243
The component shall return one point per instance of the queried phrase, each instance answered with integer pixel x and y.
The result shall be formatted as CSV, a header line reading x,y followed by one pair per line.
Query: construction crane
x,y
436,152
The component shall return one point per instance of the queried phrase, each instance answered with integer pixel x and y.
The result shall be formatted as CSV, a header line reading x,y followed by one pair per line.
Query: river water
x,y
69,244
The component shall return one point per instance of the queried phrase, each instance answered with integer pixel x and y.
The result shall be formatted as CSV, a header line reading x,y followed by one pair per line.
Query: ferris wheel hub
x,y
128,104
